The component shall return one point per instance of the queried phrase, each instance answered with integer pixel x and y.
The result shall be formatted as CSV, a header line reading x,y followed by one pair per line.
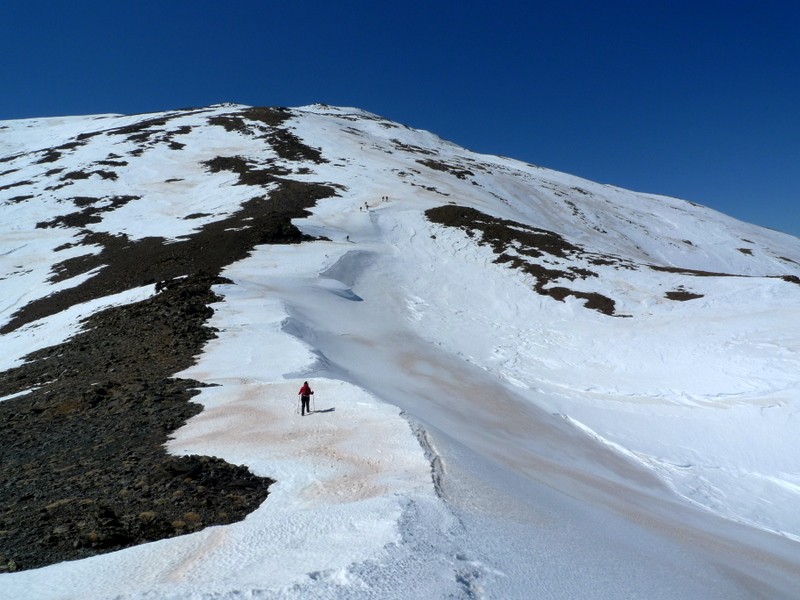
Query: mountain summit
x,y
526,383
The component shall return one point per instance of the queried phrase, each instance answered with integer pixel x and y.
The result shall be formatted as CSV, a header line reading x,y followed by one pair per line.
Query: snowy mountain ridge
x,y
569,352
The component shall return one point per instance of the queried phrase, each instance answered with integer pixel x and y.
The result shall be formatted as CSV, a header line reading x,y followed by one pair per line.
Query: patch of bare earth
x,y
83,468
523,247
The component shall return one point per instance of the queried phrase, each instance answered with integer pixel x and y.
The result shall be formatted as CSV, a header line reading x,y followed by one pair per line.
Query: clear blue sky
x,y
699,100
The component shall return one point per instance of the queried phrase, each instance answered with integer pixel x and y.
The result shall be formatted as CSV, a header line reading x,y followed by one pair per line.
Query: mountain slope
x,y
539,331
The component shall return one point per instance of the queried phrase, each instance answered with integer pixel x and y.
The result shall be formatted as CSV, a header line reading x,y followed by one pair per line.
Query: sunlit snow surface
x,y
471,438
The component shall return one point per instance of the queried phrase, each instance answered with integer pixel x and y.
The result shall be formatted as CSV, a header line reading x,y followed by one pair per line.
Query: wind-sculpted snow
x,y
519,246
527,384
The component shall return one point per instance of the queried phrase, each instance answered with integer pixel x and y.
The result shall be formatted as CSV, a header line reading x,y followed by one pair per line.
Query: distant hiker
x,y
305,396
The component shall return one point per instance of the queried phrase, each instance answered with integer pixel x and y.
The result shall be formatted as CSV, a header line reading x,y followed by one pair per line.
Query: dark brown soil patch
x,y
528,244
249,174
430,188
693,272
17,199
83,468
13,185
440,165
76,175
49,157
94,207
411,148
10,157
264,123
682,295
152,131
791,279
141,131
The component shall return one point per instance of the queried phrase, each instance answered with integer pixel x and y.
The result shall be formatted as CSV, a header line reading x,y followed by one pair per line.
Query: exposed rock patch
x,y
92,208
83,468
453,169
682,295
520,246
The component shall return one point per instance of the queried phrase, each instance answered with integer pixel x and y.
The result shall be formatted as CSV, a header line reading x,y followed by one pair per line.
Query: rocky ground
x,y
83,469
529,245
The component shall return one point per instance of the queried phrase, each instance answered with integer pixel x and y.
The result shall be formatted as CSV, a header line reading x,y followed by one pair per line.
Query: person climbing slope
x,y
305,396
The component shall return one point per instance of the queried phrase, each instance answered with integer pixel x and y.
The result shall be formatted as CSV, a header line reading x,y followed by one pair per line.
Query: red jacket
x,y
305,391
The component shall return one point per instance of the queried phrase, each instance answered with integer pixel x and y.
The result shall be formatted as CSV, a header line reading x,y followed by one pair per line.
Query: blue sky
x,y
699,100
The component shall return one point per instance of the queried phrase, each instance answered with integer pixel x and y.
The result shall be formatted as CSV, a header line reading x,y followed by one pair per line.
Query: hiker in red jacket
x,y
305,396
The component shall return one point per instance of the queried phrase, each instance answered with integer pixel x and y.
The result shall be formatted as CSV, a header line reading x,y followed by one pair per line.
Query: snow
x,y
58,328
471,438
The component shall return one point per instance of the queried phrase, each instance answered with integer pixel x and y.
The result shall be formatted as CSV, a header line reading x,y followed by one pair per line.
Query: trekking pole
x,y
313,406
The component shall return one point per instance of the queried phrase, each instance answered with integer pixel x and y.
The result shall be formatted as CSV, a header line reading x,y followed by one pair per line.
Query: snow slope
x,y
473,438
